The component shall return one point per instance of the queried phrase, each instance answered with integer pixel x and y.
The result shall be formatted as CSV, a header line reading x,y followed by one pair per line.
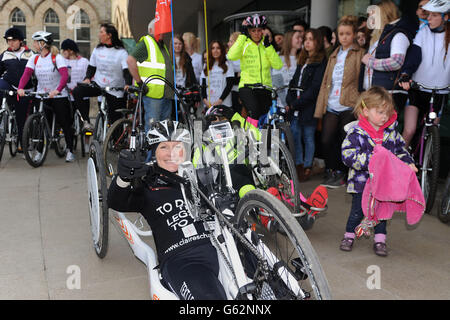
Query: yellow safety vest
x,y
154,65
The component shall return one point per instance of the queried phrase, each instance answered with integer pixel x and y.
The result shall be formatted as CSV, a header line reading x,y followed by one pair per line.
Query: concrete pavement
x,y
46,242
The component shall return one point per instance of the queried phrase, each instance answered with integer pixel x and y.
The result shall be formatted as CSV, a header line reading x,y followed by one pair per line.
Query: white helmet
x,y
42,36
441,6
167,130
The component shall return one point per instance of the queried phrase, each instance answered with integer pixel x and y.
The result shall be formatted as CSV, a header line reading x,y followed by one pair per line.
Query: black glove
x,y
266,41
144,89
131,165
244,30
404,78
228,112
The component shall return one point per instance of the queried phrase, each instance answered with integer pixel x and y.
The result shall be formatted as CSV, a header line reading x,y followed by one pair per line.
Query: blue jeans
x,y
357,214
156,110
303,134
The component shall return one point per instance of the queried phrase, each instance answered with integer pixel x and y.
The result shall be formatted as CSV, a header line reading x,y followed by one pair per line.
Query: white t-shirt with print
x,y
336,83
110,63
283,76
180,77
77,71
197,65
47,75
217,83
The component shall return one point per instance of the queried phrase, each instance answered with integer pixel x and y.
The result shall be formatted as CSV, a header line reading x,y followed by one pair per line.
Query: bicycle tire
x,y
60,142
98,204
287,185
285,128
3,129
430,167
292,241
444,208
117,138
35,139
14,137
98,127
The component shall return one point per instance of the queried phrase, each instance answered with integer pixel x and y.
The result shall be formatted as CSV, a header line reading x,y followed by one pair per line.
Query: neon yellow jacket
x,y
256,61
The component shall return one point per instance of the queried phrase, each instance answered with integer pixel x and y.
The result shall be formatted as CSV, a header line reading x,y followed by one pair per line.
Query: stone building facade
x,y
75,19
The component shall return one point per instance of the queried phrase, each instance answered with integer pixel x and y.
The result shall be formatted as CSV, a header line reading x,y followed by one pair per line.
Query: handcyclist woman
x,y
12,65
257,57
188,260
51,73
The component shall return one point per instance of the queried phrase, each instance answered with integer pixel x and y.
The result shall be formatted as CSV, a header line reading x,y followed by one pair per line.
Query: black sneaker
x,y
336,181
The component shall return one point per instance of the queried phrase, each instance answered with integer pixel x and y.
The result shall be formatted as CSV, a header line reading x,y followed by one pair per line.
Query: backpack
x,y
53,60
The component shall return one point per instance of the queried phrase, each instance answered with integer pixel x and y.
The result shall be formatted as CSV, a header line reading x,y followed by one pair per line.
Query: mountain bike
x,y
426,149
254,264
8,125
38,135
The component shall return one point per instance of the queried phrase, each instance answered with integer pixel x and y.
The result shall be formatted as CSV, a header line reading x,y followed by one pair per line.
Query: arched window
x,y
51,24
19,21
82,33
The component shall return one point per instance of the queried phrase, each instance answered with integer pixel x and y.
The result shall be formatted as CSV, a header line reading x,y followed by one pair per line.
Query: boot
x,y
300,173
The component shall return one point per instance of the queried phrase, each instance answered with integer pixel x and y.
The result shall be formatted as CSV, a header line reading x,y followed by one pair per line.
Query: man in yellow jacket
x,y
257,57
151,57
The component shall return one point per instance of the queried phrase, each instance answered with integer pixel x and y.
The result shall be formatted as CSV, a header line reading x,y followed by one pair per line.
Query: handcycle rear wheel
x,y
35,140
117,138
98,204
294,263
430,167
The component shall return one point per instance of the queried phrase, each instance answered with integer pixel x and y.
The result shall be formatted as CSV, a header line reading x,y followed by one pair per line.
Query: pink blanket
x,y
392,186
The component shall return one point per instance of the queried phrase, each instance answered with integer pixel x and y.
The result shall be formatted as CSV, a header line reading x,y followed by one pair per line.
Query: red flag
x,y
163,18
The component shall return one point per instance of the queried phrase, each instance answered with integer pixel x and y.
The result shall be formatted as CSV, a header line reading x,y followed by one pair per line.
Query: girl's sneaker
x,y
347,244
380,249
70,157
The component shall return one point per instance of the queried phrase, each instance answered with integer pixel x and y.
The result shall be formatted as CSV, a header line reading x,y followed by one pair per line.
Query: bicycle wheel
x,y
3,129
60,142
117,138
98,127
285,180
13,137
430,167
444,210
35,140
98,204
292,267
288,137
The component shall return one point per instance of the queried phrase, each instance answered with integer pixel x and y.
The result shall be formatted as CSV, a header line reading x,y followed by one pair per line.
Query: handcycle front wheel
x,y
35,141
294,268
97,195
430,167
117,138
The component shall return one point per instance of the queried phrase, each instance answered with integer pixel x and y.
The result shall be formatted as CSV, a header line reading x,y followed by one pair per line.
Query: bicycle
x,y
444,209
8,126
427,149
283,267
101,121
38,136
191,96
78,123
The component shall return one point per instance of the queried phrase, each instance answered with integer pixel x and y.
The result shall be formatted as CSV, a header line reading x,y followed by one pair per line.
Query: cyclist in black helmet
x,y
12,65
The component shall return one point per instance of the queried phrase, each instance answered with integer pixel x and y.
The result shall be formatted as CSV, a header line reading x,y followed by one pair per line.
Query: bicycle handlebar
x,y
273,89
8,92
96,86
417,85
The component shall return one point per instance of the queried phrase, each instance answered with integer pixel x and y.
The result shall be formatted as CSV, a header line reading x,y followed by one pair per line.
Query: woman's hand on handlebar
x,y
53,93
21,92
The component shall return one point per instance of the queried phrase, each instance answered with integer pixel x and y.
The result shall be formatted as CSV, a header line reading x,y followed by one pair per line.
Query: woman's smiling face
x,y
169,155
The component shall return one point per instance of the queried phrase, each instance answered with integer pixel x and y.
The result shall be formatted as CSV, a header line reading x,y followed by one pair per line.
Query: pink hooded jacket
x,y
392,186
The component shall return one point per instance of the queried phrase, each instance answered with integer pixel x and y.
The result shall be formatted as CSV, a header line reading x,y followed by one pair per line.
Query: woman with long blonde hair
x,y
192,44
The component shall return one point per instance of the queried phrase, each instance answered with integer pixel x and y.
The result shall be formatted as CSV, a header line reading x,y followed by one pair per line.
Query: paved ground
x,y
45,241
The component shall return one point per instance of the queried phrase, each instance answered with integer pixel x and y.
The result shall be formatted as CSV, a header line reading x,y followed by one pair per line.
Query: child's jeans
x,y
356,216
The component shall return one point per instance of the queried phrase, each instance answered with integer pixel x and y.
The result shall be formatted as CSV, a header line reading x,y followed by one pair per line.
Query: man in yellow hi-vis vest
x,y
151,57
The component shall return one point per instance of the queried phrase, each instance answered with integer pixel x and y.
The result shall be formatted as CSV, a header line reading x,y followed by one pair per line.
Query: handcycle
x,y
101,121
426,149
38,135
282,266
8,125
